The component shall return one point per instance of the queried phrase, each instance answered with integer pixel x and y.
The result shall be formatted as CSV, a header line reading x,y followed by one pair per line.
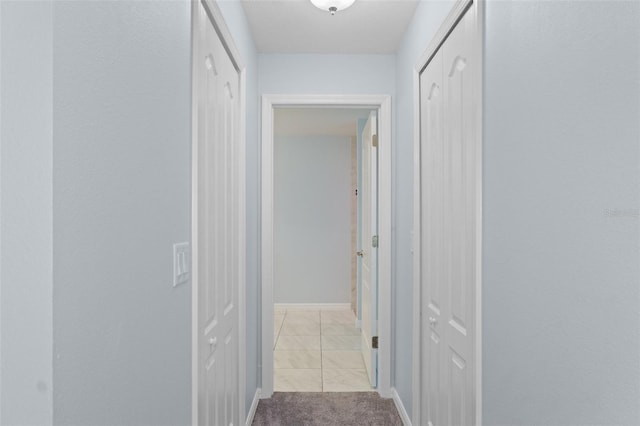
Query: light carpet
x,y
326,409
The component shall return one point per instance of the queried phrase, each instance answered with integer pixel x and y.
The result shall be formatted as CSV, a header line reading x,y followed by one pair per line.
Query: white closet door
x,y
448,234
432,240
218,231
459,142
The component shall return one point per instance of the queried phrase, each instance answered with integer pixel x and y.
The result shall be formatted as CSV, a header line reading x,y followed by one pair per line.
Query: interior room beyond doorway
x,y
315,204
317,340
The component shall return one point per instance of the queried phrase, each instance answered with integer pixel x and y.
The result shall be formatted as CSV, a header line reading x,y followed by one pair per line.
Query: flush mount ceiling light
x,y
332,5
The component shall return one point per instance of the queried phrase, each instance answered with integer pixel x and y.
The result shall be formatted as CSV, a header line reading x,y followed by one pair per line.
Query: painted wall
x,y
26,391
122,185
561,324
1,382
237,24
427,19
313,74
312,219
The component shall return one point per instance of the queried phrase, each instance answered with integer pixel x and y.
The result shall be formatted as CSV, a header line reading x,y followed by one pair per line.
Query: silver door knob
x,y
433,321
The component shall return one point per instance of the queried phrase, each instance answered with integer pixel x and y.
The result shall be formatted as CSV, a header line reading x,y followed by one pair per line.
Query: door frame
x,y
223,32
383,104
456,13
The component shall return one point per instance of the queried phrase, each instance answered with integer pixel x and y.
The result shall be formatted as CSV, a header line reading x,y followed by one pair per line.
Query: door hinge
x,y
374,139
374,342
374,241
356,192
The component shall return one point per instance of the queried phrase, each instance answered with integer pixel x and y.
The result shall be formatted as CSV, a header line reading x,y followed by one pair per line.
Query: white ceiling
x,y
317,121
297,26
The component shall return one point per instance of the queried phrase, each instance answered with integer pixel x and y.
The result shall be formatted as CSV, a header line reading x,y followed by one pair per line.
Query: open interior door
x,y
368,251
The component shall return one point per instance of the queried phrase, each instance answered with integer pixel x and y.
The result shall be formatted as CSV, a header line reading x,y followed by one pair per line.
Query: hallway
x,y
98,245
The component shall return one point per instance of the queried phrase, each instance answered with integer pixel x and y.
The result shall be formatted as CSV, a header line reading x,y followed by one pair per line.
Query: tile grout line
x,y
284,316
321,364
279,331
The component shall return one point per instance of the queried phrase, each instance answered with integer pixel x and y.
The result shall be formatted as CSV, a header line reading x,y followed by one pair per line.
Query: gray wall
x,y
1,139
427,19
561,177
26,212
121,183
312,219
237,24
313,74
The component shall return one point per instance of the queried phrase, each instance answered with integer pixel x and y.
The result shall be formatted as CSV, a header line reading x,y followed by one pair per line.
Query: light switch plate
x,y
181,263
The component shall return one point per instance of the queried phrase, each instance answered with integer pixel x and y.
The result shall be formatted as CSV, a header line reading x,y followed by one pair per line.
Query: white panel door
x,y
459,140
369,253
218,231
448,233
432,240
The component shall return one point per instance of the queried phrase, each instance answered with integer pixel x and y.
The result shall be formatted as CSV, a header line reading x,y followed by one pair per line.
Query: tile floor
x,y
317,351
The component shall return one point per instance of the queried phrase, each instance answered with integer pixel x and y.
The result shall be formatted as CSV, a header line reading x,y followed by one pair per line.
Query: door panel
x,y
218,230
369,253
432,238
211,368
460,140
448,234
458,380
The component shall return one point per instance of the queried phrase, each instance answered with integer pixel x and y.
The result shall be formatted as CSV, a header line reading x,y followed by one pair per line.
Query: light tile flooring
x,y
317,351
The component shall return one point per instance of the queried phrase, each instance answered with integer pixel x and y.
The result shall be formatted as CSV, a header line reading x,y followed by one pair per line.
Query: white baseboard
x,y
254,406
406,421
312,306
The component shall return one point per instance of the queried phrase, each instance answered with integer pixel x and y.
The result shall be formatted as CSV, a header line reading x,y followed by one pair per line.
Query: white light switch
x,y
181,263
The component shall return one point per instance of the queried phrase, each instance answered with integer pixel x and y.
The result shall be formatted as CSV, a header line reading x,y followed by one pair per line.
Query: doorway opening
x,y
318,217
288,324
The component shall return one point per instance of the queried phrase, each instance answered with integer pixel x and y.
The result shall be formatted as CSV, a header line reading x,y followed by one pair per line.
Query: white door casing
x,y
383,104
218,228
447,224
368,252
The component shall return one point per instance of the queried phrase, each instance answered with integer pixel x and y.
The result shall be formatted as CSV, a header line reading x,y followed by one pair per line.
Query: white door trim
x,y
225,36
457,11
383,104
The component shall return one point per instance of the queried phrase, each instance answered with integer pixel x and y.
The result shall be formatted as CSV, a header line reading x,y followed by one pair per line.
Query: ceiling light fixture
x,y
332,5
